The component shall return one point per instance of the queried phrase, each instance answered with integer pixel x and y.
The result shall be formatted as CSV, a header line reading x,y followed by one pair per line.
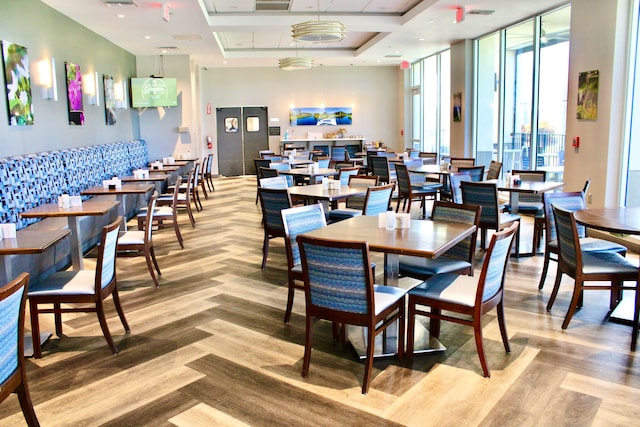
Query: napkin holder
x,y
156,166
8,231
112,184
515,180
403,220
168,161
75,200
64,201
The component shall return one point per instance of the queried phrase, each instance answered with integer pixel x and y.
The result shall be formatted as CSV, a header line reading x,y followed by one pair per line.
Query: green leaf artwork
x,y
18,84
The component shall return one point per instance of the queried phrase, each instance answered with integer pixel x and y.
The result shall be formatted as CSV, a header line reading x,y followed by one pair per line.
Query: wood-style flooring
x,y
209,348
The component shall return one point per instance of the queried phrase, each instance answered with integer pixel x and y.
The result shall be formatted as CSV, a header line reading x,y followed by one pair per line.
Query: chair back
x,y
491,281
323,162
569,253
460,214
272,157
428,158
323,148
465,162
151,206
346,173
339,153
264,153
485,195
475,172
267,172
527,175
587,184
209,165
378,199
259,164
338,277
106,265
455,179
357,202
279,182
282,166
380,167
299,220
203,169
13,297
570,201
191,181
494,170
196,176
272,202
404,180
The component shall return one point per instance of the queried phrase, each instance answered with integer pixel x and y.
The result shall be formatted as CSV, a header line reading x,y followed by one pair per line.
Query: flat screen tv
x,y
153,92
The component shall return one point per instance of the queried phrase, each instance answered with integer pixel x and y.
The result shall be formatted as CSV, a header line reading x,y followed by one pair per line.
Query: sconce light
x,y
47,78
90,86
120,94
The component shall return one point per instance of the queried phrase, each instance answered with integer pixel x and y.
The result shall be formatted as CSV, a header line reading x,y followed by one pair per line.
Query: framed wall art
x,y
109,101
336,116
587,108
17,83
74,93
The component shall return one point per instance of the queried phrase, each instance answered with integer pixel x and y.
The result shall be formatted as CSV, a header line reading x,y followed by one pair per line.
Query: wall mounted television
x,y
153,92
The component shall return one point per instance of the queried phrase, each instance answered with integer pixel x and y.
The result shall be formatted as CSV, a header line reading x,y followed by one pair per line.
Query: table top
x,y
169,168
623,220
90,207
127,188
428,169
305,172
297,163
31,241
155,177
427,239
318,192
526,186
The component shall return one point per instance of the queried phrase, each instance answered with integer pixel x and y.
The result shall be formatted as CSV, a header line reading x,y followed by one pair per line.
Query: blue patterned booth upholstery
x,y
30,180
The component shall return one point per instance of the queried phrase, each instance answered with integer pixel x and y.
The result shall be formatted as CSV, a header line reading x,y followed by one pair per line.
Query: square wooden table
x,y
127,188
317,192
88,208
305,173
157,179
530,187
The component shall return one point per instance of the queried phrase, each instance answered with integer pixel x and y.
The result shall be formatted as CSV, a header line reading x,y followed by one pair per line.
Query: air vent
x,y
167,48
272,5
393,55
121,2
481,12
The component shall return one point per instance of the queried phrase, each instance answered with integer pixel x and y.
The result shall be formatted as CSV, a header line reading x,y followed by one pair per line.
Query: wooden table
x,y
424,239
88,208
317,192
157,179
130,188
165,168
621,220
530,187
305,173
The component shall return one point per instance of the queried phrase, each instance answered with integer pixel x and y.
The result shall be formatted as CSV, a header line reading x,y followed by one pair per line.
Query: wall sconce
x,y
120,94
47,79
90,86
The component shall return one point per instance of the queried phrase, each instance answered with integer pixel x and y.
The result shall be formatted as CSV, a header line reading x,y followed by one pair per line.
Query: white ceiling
x,y
232,33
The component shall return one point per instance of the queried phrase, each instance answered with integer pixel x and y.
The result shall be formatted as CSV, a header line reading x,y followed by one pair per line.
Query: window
x,y
631,196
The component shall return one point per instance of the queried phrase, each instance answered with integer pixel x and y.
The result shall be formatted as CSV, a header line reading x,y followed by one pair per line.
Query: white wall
x,y
599,33
46,34
374,92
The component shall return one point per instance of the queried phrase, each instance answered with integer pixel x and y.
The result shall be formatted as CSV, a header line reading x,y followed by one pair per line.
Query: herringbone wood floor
x,y
209,348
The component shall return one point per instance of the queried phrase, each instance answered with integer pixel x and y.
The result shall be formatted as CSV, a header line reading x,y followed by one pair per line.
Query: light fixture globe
x,y
318,31
295,64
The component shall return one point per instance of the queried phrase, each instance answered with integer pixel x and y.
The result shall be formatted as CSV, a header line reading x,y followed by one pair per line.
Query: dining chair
x,y
193,186
182,200
460,258
261,165
264,153
345,173
485,195
272,201
457,162
571,201
282,166
274,158
380,167
201,178
494,170
164,214
80,287
279,181
475,172
408,191
208,173
339,287
428,158
296,221
140,242
13,372
339,154
354,205
454,193
378,199
530,203
463,299
591,267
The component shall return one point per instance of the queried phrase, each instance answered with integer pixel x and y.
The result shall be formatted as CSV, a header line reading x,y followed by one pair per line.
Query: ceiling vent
x,y
121,2
481,12
272,5
393,55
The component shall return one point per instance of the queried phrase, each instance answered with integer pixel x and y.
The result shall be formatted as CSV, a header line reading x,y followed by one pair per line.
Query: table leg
x,y
122,210
8,269
76,243
391,269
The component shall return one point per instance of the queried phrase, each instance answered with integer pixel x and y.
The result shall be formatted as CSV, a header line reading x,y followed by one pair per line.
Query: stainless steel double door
x,y
242,133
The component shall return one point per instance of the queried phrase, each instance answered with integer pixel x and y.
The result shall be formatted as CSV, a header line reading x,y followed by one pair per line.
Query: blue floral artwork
x,y
74,94
18,84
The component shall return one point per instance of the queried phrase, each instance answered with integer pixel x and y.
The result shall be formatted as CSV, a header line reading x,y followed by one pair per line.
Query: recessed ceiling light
x,y
147,37
120,15
420,39
224,62
430,21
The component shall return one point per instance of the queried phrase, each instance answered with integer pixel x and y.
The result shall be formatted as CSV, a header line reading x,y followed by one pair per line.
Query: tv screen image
x,y
153,92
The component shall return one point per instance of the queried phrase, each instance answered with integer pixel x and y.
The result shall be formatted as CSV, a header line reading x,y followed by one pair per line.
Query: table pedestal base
x,y
28,342
423,343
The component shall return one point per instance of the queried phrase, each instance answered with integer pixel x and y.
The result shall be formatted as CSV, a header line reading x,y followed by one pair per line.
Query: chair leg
x,y
290,295
190,213
398,205
369,362
616,295
411,327
147,257
434,323
545,269
477,329
35,329
155,261
577,293
307,346
483,239
401,330
176,228
105,328
27,406
517,237
503,327
204,188
556,286
636,318
116,302
265,250
57,315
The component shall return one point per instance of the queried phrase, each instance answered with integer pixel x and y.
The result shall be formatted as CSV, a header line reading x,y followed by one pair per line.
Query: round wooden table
x,y
621,220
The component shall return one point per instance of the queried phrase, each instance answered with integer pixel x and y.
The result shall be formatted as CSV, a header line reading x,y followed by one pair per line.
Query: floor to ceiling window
x,y
521,81
430,94
631,196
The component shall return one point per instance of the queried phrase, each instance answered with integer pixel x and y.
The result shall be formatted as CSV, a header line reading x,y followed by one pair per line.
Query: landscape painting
x,y
109,101
74,94
587,108
336,116
18,84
